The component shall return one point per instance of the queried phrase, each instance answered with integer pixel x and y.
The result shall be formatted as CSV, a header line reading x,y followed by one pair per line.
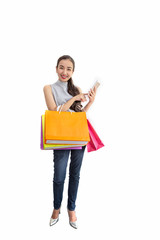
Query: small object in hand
x,y
96,85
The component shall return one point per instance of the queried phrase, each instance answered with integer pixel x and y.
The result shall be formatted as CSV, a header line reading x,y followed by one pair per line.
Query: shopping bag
x,y
66,128
95,142
44,146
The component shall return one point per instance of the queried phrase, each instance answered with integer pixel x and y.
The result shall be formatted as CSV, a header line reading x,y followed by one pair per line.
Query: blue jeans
x,y
60,164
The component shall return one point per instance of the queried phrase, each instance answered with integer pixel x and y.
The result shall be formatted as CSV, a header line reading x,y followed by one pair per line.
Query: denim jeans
x,y
60,164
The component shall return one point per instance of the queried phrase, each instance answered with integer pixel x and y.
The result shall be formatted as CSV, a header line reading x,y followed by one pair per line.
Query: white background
x,y
116,42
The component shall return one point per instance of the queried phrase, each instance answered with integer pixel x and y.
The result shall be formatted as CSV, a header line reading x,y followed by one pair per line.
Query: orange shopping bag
x,y
44,146
66,128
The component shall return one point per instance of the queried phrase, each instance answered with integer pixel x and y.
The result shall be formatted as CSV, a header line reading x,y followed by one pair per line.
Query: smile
x,y
63,76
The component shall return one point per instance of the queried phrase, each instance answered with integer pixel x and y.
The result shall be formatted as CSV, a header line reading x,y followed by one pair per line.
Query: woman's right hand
x,y
81,97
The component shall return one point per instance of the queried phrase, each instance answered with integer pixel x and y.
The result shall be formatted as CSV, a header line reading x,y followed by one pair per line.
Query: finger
x,y
84,98
95,89
92,91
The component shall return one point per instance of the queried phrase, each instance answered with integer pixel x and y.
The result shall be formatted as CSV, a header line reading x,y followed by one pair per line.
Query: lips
x,y
64,77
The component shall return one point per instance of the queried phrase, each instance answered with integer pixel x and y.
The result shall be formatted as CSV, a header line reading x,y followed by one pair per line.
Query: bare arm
x,y
79,97
51,103
88,105
91,96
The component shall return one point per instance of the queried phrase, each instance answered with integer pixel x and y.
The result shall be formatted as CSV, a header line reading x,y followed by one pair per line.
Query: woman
x,y
64,95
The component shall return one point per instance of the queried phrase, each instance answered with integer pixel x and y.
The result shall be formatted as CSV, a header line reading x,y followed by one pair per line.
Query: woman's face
x,y
64,70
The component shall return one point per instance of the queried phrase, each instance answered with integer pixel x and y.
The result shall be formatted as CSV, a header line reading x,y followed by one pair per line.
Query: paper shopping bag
x,y
95,142
44,146
66,128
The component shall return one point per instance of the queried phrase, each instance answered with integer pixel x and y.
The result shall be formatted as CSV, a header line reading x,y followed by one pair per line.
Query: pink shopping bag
x,y
95,142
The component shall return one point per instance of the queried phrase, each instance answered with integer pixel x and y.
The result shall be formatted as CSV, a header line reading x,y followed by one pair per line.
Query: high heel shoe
x,y
54,221
73,224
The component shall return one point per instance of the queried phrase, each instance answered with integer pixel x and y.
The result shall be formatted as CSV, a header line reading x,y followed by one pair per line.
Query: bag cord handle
x,y
59,108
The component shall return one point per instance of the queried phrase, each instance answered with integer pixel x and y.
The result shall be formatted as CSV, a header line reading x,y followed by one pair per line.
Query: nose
x,y
64,71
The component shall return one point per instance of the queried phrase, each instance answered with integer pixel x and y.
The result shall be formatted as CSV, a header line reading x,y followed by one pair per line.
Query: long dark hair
x,y
72,89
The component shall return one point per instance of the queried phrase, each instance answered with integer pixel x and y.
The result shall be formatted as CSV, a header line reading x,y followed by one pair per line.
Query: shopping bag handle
x,y
59,108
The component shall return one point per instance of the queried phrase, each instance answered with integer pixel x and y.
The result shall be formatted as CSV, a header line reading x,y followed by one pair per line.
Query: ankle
x,y
72,216
55,213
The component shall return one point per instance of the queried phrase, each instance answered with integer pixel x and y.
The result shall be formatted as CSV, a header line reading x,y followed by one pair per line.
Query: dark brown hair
x,y
72,89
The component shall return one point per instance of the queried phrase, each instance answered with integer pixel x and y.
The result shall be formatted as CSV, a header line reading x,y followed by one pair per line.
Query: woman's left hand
x,y
91,95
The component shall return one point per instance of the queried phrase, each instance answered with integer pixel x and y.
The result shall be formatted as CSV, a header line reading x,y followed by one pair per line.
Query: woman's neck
x,y
62,84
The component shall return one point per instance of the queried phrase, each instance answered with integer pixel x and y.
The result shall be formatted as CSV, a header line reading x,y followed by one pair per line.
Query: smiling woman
x,y
65,94
65,69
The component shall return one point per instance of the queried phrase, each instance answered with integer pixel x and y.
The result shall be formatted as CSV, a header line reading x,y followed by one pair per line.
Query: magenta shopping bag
x,y
95,142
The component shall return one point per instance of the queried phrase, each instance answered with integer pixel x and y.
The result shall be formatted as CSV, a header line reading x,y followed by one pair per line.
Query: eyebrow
x,y
63,66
